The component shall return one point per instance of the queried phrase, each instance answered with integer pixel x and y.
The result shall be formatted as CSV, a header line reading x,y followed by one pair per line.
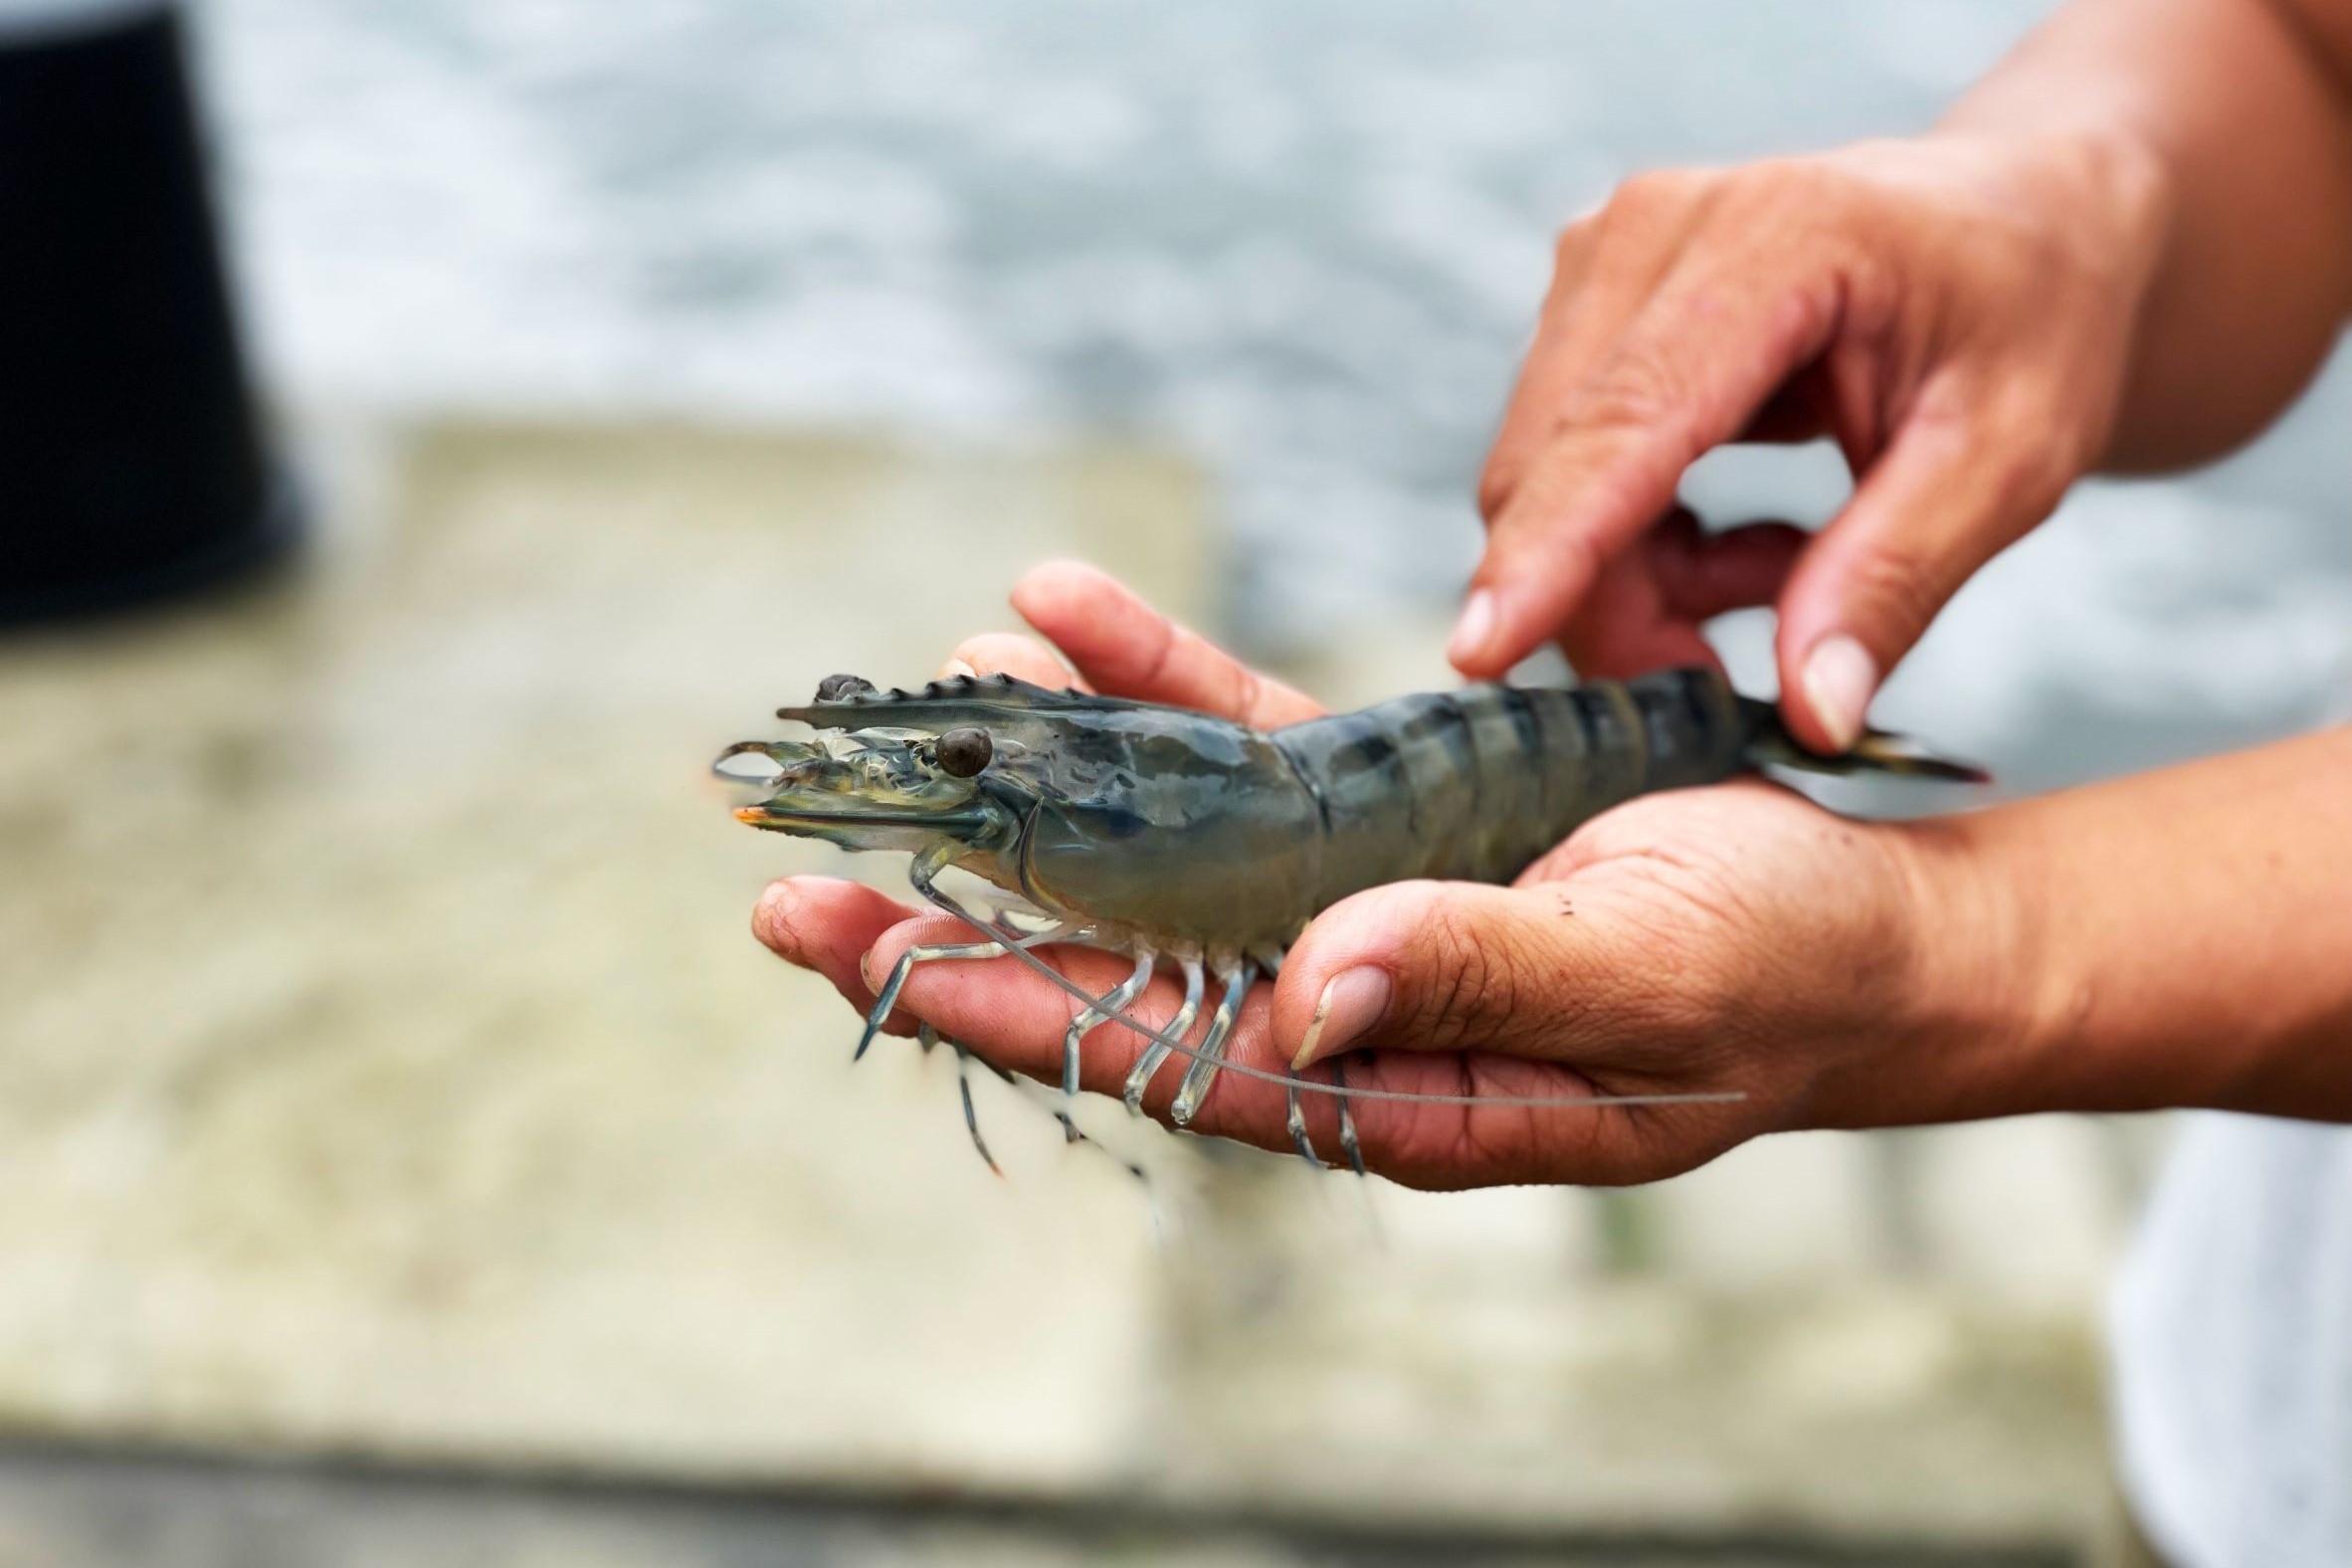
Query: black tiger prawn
x,y
1173,837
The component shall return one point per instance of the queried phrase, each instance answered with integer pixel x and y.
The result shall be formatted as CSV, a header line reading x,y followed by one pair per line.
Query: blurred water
x,y
1304,241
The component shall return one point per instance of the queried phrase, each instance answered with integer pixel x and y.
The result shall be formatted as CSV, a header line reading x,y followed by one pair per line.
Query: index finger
x,y
1689,374
1126,647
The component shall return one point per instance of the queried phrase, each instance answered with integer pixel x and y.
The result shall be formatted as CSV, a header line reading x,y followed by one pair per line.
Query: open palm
x,y
1671,946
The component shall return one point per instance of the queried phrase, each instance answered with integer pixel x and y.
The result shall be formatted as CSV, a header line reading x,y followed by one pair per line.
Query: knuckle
x,y
1826,199
1656,193
1565,556
1900,582
1642,385
2035,479
1495,486
1874,299
1573,246
2042,452
1764,193
1247,694
1477,982
1628,224
1153,651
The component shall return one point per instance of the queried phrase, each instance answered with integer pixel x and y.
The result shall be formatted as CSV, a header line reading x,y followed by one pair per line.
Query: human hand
x,y
1726,941
1958,313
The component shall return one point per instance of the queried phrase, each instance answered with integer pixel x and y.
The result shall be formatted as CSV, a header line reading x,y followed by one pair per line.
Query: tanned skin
x,y
2127,249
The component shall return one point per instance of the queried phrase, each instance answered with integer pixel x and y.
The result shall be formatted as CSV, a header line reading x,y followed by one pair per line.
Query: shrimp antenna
x,y
918,877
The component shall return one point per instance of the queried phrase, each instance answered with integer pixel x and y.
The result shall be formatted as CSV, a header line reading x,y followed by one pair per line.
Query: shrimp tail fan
x,y
1770,745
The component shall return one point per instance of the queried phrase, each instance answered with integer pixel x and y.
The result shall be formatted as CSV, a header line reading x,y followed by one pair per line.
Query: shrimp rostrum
x,y
1180,839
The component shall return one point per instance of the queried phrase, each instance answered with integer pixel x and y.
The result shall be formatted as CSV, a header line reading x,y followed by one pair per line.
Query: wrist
x,y
2098,188
2101,190
1985,1026
2097,138
2021,997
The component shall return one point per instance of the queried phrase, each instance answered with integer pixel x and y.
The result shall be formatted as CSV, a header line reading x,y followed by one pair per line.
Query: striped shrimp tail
x,y
1770,745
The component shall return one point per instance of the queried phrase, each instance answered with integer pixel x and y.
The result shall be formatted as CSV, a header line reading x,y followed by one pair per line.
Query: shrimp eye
x,y
963,752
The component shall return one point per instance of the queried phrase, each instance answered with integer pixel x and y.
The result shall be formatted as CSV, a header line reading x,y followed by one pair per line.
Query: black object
x,y
132,462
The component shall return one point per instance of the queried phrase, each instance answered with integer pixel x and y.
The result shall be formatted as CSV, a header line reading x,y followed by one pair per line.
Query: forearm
x,y
2180,938
2241,111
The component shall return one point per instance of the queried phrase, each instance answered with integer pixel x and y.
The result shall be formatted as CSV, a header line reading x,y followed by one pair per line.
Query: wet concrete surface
x,y
82,1510
386,1072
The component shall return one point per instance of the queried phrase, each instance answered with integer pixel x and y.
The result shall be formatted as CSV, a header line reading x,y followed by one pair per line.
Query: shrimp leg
x,y
1236,975
927,1037
963,1085
917,955
1269,959
1347,1120
888,999
1158,1050
1100,1011
1295,1122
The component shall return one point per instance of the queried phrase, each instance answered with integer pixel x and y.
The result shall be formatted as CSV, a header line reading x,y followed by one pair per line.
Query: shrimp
x,y
1171,837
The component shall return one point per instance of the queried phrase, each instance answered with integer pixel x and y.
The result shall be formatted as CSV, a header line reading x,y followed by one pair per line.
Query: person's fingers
x,y
1010,1014
827,925
1556,989
1605,267
1963,479
1705,575
1010,654
1647,605
1686,376
1126,648
1456,966
1016,1020
1628,624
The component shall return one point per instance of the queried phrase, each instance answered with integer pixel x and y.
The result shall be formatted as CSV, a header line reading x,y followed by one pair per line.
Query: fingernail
x,y
956,669
1351,1002
1475,627
1840,679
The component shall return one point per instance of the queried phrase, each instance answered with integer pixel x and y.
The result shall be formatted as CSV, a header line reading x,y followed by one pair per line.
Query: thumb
x,y
1945,498
1441,966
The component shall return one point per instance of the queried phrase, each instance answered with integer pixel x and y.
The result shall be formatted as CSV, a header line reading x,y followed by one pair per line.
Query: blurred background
x,y
407,1157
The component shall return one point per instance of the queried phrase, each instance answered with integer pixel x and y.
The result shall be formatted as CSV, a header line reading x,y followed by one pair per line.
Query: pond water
x,y
1300,242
